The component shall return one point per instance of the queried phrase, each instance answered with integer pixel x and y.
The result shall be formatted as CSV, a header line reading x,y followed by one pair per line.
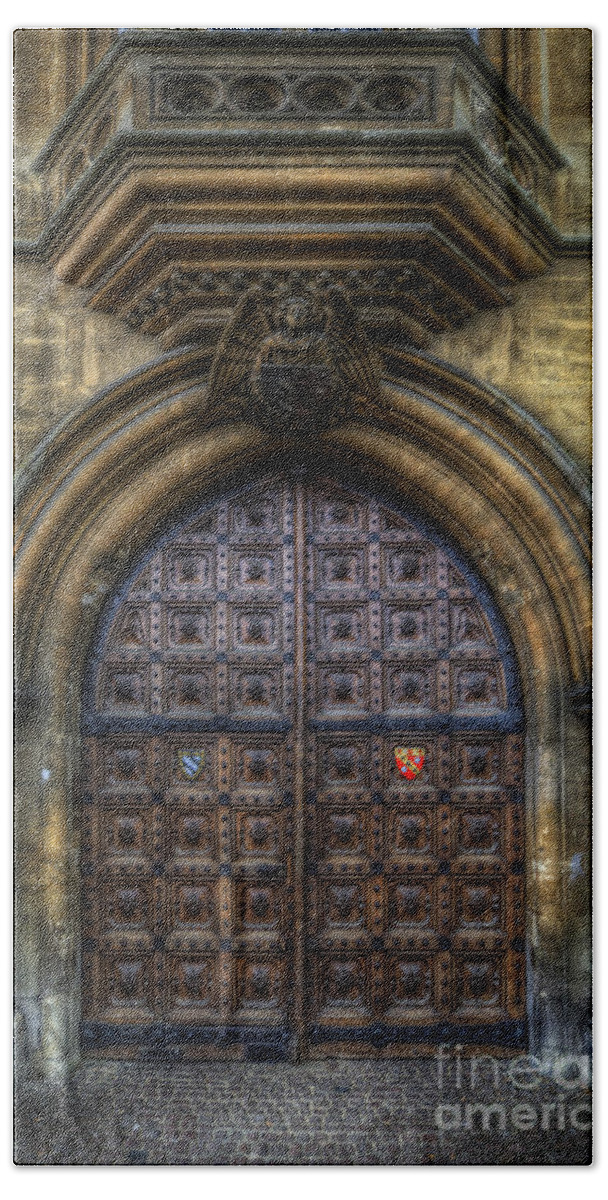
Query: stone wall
x,y
64,353
538,351
549,70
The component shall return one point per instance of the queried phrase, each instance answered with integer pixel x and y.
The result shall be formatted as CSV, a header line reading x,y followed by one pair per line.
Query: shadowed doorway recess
x,y
265,874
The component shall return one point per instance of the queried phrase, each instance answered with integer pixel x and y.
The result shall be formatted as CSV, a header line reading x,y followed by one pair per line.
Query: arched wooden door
x,y
259,877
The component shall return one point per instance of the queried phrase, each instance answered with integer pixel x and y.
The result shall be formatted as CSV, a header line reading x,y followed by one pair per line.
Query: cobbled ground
x,y
342,1112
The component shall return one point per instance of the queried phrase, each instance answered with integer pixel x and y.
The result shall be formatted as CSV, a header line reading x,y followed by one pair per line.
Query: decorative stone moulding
x,y
396,165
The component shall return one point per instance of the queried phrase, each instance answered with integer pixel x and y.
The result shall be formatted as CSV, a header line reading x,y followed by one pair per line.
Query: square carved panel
x,y
192,981
124,763
412,905
410,982
125,689
257,765
258,835
255,570
411,831
342,568
258,907
343,763
190,569
191,761
127,832
190,688
480,904
131,631
343,688
479,982
479,831
255,516
259,984
193,904
409,627
410,686
342,629
126,904
457,584
342,906
468,626
191,629
127,983
339,515
192,833
430,772
409,566
477,686
256,629
477,762
343,985
342,833
255,690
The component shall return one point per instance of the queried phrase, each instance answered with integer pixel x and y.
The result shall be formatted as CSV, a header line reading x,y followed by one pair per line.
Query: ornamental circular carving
x,y
191,94
257,93
325,93
392,93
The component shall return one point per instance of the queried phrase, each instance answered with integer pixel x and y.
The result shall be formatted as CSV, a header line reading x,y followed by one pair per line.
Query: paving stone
x,y
315,1113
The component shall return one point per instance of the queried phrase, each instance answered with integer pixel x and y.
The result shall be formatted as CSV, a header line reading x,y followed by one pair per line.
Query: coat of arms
x,y
410,760
191,762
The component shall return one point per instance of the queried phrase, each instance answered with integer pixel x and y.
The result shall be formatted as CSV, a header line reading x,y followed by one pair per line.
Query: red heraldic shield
x,y
410,760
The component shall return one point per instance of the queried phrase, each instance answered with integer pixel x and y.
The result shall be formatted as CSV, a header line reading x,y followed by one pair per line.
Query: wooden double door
x,y
259,878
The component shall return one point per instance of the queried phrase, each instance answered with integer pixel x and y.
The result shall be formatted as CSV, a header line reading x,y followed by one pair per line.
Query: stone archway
x,y
135,458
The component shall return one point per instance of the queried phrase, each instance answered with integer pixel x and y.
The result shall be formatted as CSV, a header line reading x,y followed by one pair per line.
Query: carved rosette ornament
x,y
295,363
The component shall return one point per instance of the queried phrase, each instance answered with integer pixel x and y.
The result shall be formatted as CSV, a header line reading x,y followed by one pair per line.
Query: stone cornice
x,y
205,155
563,245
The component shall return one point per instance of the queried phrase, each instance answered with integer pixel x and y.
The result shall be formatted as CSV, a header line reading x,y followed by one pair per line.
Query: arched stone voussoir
x,y
481,470
526,539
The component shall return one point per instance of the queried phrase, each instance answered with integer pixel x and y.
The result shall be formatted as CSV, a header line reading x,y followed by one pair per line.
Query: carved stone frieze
x,y
201,285
384,299
408,95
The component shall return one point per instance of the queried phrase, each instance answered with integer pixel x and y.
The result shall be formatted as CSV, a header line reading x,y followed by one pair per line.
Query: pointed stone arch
x,y
109,480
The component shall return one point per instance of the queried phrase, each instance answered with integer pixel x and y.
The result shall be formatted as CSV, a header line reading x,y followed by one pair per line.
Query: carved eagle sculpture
x,y
294,363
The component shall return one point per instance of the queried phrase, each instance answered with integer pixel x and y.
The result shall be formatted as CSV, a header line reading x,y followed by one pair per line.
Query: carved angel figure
x,y
294,363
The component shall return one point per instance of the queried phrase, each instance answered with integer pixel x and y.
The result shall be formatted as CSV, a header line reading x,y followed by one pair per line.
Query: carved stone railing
x,y
396,165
